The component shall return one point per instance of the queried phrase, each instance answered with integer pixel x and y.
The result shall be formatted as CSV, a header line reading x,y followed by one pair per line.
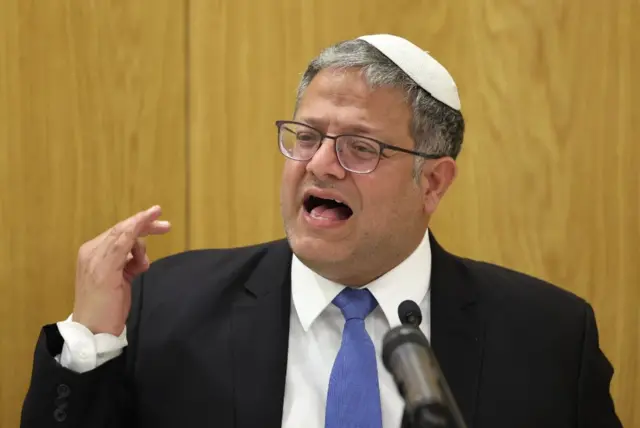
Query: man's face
x,y
386,217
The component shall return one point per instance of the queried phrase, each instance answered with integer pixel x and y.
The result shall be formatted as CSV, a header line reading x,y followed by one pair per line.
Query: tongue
x,y
330,213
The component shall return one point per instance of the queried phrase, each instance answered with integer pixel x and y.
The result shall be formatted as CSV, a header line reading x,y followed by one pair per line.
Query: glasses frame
x,y
323,137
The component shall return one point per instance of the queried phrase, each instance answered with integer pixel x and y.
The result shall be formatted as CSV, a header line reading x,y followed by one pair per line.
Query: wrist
x,y
97,327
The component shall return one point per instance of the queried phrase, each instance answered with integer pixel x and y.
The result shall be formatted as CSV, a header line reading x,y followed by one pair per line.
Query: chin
x,y
315,250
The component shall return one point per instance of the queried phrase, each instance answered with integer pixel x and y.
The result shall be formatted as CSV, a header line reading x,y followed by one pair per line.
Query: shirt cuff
x,y
83,351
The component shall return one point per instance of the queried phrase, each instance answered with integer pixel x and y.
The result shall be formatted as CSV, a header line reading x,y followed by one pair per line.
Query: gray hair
x,y
436,128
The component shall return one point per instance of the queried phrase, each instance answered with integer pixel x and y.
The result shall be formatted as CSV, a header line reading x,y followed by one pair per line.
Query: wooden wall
x,y
92,125
109,106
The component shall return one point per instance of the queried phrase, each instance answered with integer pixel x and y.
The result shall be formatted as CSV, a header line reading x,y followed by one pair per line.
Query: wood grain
x,y
548,183
92,130
94,126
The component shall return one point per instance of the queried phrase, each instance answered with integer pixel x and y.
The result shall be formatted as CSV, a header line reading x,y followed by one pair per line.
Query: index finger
x,y
141,221
133,226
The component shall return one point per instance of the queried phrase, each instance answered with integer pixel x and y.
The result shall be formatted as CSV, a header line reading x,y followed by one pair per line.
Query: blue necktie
x,y
353,400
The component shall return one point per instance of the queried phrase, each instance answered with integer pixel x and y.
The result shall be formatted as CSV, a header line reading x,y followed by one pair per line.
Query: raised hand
x,y
106,267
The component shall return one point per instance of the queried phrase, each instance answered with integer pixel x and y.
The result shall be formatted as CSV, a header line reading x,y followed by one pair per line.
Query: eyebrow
x,y
348,129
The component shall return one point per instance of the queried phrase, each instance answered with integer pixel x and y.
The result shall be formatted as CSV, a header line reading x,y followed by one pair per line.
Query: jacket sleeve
x,y
595,404
99,398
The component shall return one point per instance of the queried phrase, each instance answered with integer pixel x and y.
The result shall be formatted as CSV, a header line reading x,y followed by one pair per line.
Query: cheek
x,y
292,175
386,201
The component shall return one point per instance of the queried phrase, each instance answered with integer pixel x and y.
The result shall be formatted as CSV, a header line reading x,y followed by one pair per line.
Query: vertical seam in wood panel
x,y
187,123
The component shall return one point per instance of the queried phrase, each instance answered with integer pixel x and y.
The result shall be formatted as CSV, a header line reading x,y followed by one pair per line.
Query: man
x,y
289,333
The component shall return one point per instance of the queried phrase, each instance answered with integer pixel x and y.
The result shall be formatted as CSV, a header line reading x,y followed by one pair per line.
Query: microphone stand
x,y
437,409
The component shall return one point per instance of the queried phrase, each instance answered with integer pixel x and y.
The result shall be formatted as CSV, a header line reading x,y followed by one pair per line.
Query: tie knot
x,y
355,303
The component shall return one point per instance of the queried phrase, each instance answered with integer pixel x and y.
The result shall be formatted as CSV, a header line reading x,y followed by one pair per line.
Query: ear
x,y
435,178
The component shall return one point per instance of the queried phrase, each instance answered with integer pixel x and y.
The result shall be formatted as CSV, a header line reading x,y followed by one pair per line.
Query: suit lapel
x,y
260,334
259,337
457,333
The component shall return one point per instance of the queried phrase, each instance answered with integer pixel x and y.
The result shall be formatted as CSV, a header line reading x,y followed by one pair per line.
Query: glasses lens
x,y
298,141
358,154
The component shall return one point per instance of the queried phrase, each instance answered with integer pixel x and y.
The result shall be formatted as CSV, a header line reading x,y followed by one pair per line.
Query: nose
x,y
325,163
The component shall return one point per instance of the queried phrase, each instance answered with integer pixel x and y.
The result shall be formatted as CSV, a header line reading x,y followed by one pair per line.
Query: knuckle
x,y
83,251
117,246
86,251
115,230
130,235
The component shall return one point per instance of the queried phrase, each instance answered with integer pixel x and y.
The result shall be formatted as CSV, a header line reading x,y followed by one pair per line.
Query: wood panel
x,y
92,129
549,182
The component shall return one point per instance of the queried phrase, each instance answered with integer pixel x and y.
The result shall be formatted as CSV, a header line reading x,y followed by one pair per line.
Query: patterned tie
x,y
353,400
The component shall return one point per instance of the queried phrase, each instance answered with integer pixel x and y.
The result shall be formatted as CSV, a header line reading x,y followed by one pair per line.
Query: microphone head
x,y
399,336
409,313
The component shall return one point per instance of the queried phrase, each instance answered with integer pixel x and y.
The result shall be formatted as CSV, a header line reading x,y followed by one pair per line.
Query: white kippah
x,y
419,66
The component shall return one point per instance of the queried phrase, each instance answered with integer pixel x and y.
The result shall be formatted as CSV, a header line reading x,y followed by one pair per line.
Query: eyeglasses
x,y
358,154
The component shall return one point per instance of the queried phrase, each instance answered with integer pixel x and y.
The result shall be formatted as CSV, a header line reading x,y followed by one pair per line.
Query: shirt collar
x,y
312,293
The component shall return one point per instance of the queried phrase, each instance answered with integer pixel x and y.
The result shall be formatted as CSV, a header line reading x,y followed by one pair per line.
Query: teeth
x,y
316,216
335,200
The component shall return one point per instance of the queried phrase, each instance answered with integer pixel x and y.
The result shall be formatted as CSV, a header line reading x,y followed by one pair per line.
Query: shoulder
x,y
516,296
504,283
524,313
214,265
500,286
215,257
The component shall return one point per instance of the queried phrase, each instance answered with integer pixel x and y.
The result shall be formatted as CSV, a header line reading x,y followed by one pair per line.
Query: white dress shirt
x,y
315,335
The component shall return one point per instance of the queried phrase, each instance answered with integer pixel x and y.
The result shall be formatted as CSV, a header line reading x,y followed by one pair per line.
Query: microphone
x,y
409,313
407,355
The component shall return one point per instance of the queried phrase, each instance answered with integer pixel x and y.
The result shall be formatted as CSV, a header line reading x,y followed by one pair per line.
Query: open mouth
x,y
326,209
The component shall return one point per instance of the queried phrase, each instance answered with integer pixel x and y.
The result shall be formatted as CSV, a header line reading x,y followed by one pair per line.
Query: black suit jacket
x,y
208,338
